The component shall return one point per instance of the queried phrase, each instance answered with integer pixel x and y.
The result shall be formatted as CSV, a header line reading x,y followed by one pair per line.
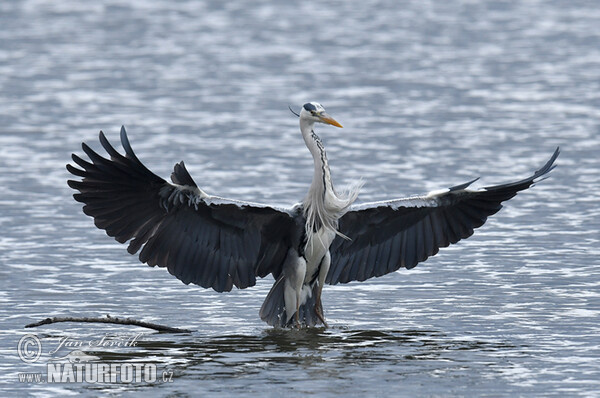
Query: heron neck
x,y
322,176
322,206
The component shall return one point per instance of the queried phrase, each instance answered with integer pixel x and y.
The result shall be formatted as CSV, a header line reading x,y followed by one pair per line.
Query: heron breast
x,y
316,248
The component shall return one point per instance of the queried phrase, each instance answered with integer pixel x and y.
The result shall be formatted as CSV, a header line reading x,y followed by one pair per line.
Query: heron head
x,y
314,112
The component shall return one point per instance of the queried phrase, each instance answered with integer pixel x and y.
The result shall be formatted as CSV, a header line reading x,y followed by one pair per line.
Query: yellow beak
x,y
325,118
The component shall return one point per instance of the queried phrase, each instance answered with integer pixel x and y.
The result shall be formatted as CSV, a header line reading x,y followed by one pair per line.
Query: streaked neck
x,y
322,176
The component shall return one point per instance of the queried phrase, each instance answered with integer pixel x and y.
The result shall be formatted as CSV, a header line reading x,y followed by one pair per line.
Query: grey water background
x,y
430,94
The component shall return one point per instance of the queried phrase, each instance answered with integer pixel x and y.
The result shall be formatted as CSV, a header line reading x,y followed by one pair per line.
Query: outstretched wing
x,y
201,239
385,236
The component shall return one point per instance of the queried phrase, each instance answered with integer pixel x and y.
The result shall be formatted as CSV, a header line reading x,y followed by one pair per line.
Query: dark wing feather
x,y
209,241
385,236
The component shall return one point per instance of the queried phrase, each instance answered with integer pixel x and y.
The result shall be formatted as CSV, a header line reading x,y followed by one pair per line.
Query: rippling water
x,y
430,94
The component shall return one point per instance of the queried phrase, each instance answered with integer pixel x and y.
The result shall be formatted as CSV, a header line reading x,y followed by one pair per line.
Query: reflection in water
x,y
316,360
235,355
312,360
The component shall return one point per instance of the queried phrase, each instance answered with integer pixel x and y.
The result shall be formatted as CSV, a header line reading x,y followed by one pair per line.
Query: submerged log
x,y
109,319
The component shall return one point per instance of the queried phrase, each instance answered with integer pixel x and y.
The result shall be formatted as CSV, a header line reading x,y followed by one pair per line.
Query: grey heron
x,y
219,243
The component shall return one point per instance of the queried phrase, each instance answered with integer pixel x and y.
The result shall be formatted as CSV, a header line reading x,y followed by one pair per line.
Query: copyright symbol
x,y
29,348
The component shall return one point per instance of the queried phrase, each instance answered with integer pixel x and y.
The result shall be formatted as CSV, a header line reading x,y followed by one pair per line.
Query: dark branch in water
x,y
109,319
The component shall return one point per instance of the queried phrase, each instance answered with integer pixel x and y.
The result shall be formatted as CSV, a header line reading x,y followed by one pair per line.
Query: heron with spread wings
x,y
219,243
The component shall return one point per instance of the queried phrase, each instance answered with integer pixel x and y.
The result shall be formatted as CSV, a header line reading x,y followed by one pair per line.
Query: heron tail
x,y
273,309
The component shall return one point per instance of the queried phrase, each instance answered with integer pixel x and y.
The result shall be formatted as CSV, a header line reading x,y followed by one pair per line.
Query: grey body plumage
x,y
220,243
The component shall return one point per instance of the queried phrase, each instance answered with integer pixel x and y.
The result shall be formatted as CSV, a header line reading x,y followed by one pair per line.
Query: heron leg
x,y
298,324
294,271
323,270
319,306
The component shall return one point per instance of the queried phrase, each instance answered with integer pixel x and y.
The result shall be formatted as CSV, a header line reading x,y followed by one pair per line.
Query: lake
x,y
431,94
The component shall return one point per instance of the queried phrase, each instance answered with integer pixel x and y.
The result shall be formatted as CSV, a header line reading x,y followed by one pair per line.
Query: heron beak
x,y
325,118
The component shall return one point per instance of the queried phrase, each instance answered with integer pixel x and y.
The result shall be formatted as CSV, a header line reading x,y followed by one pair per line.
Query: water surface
x,y
431,94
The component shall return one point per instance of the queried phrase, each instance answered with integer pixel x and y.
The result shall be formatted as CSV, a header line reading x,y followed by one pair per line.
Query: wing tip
x,y
124,139
548,167
181,176
71,183
462,186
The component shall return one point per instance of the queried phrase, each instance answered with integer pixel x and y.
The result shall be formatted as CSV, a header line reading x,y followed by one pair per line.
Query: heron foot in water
x,y
319,312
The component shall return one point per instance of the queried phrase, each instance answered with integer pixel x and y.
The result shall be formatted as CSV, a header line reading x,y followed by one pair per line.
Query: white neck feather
x,y
322,205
